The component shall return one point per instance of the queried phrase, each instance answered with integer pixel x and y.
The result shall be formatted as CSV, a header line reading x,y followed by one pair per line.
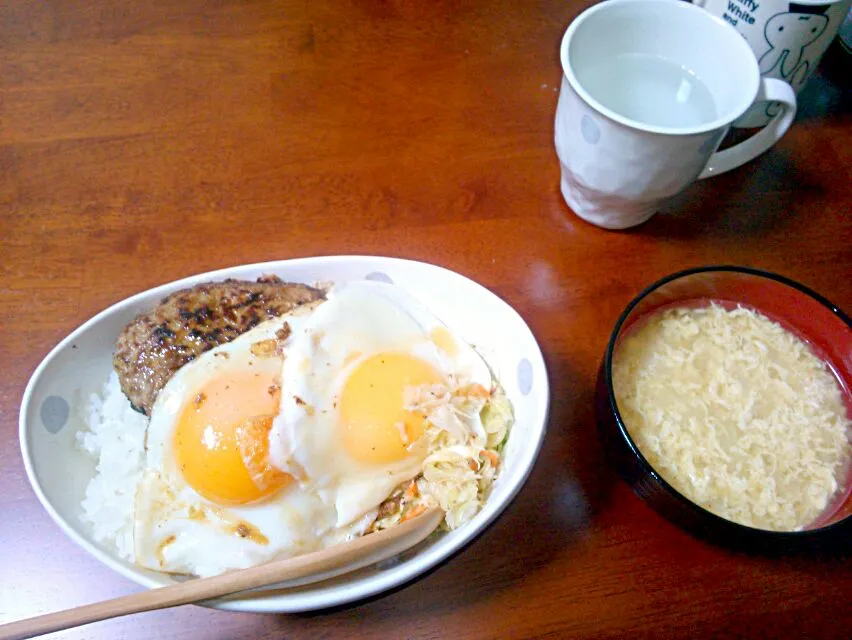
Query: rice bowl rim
x,y
363,586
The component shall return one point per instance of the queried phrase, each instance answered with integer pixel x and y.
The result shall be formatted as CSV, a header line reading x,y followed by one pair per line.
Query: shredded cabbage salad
x,y
466,428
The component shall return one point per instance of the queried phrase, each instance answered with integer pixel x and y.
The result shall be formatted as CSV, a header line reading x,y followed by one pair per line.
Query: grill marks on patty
x,y
189,322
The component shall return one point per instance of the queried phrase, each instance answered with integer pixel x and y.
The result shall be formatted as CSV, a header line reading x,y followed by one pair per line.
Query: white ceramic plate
x,y
52,410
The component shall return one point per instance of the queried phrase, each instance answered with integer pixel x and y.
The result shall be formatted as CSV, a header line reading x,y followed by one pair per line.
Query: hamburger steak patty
x,y
189,322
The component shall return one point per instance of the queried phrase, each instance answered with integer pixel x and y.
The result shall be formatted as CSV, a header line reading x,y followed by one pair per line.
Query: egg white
x,y
335,497
177,530
358,320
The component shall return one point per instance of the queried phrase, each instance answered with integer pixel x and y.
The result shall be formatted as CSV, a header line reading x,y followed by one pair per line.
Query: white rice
x,y
115,437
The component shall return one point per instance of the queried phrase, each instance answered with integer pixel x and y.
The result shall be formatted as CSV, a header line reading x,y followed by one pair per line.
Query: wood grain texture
x,y
339,559
145,141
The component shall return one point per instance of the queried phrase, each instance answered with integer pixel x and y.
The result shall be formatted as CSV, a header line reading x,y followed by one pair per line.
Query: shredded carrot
x,y
473,464
476,390
411,491
492,456
416,511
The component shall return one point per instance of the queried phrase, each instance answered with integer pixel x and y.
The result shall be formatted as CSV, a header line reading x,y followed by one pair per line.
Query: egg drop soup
x,y
736,413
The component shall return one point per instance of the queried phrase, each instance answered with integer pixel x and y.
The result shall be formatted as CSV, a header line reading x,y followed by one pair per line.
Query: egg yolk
x,y
221,441
371,406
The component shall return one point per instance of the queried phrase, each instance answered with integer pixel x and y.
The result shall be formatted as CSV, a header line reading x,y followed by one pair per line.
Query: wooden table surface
x,y
141,142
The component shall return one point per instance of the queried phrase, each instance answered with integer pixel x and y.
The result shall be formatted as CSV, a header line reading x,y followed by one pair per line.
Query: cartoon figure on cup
x,y
788,35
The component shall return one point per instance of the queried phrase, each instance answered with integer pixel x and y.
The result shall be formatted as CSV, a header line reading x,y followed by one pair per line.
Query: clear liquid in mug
x,y
650,90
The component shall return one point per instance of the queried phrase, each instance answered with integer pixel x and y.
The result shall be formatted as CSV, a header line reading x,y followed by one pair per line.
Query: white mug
x,y
649,89
788,39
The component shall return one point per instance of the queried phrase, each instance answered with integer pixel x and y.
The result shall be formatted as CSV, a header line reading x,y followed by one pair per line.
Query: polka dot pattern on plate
x,y
525,376
389,563
54,413
378,276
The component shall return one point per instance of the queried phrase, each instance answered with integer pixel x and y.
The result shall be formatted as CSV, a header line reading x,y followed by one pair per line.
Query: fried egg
x,y
210,500
288,439
343,431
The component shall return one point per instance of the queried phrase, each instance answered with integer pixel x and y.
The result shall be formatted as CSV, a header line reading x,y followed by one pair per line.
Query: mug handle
x,y
770,89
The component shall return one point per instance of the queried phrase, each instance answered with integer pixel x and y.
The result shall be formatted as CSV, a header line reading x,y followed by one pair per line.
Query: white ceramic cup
x,y
629,136
788,39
